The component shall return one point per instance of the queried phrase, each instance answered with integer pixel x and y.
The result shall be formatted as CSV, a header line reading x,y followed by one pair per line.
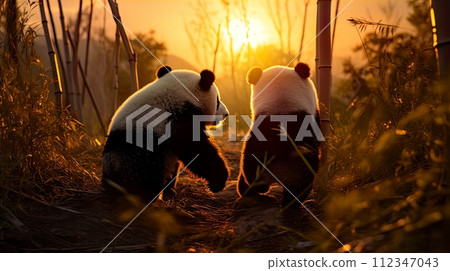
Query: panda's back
x,y
163,94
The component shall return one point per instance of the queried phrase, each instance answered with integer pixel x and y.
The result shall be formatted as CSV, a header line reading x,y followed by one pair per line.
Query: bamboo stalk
x,y
317,50
77,91
56,84
86,59
334,24
442,43
289,26
441,29
244,8
90,92
132,58
277,21
58,51
116,68
216,50
305,14
324,66
1,10
230,46
68,60
104,26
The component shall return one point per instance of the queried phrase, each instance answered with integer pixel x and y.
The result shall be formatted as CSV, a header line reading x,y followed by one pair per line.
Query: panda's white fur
x,y
183,94
170,92
281,90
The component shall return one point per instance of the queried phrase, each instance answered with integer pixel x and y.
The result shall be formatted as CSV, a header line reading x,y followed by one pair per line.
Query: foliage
x,y
41,149
396,82
387,144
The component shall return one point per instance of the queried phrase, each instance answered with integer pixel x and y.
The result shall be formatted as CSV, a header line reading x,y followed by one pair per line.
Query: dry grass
x,y
42,150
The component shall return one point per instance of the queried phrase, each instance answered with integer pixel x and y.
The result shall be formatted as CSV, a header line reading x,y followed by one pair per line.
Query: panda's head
x,y
282,90
197,88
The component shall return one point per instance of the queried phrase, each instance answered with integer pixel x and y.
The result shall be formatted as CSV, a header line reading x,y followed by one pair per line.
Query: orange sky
x,y
168,18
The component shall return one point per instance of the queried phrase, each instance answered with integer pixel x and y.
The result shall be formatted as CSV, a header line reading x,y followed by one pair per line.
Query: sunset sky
x,y
168,19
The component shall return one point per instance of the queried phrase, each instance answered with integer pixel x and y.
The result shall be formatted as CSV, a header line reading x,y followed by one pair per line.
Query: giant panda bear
x,y
279,91
170,102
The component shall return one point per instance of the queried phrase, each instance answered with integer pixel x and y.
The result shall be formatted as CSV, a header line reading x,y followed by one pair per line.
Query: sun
x,y
242,35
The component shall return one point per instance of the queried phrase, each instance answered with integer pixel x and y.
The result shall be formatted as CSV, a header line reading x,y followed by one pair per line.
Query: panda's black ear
x,y
206,80
163,70
253,75
302,70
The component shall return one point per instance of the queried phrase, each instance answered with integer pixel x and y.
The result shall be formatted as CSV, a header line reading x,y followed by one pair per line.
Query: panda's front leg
x,y
170,182
208,163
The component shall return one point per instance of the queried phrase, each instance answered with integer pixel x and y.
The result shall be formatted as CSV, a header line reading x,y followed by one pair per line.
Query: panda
x,y
280,91
171,102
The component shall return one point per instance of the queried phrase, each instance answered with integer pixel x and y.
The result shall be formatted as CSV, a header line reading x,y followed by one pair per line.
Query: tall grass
x,y
41,150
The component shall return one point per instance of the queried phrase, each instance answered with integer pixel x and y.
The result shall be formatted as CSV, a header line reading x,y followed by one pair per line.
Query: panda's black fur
x,y
299,98
145,173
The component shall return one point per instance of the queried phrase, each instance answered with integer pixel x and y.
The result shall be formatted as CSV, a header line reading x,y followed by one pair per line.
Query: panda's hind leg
x,y
135,179
128,169
170,182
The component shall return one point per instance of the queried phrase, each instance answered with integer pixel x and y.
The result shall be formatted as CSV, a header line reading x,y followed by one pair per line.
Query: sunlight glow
x,y
242,34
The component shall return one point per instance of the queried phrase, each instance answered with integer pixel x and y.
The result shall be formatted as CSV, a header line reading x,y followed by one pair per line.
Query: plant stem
x,y
70,86
91,12
56,84
58,51
116,68
132,58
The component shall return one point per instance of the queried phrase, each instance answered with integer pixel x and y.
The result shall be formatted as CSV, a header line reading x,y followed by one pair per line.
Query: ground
x,y
191,220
